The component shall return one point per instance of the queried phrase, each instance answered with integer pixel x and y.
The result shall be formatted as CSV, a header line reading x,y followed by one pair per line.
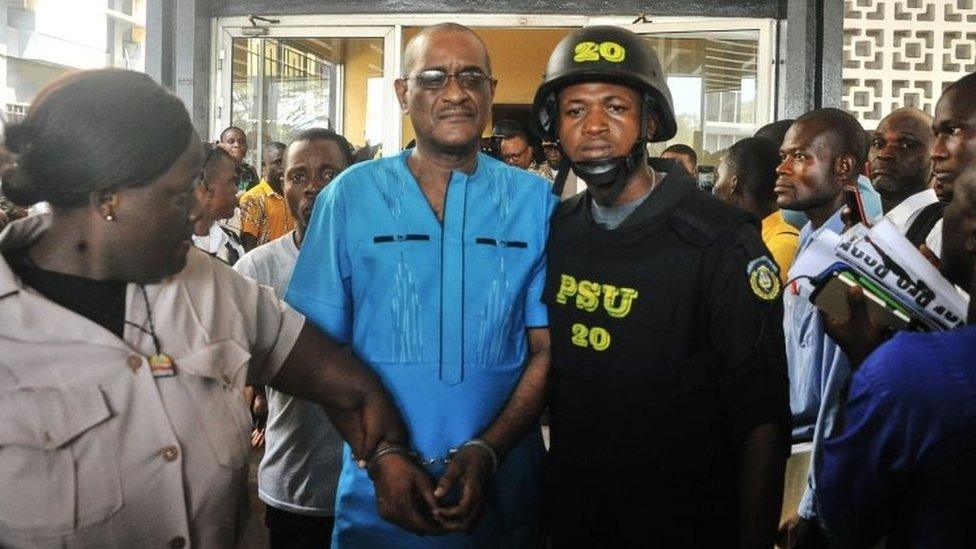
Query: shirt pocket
x,y
59,466
497,272
214,376
393,297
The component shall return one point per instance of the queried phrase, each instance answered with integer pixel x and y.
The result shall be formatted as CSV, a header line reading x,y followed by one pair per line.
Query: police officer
x,y
669,393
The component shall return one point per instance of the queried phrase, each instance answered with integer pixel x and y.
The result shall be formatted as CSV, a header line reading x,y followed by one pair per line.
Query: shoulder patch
x,y
763,276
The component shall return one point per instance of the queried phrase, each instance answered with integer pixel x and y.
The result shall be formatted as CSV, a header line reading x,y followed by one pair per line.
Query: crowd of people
x,y
400,325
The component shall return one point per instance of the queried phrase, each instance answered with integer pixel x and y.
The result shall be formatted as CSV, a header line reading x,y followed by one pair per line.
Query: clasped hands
x,y
407,496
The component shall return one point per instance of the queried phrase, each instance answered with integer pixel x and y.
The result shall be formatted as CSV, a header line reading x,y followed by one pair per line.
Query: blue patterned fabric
x,y
439,311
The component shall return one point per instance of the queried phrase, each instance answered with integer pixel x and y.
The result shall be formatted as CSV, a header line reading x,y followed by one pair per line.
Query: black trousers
x,y
580,514
289,530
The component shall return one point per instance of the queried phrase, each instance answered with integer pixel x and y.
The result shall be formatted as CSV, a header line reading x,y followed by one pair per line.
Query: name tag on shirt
x,y
161,365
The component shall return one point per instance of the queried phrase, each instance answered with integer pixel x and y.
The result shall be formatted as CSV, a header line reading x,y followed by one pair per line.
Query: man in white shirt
x,y
901,172
299,472
220,242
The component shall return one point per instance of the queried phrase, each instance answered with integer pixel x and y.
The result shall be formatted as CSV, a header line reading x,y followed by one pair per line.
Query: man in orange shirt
x,y
745,178
264,213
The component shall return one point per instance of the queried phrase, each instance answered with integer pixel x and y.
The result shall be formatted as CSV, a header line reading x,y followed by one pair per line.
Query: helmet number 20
x,y
591,51
598,338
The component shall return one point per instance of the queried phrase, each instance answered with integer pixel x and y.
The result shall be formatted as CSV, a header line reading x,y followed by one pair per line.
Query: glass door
x,y
274,87
338,72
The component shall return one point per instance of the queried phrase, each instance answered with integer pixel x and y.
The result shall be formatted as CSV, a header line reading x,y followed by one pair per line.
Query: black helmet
x,y
606,54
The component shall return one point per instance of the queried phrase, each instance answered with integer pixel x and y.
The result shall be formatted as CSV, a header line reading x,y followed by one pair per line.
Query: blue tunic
x,y
439,311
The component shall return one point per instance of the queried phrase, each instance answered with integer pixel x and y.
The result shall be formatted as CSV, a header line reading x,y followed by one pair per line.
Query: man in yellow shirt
x,y
745,178
264,213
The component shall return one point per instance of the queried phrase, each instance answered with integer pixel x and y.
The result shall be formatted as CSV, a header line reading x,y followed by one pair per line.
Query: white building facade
x,y
42,39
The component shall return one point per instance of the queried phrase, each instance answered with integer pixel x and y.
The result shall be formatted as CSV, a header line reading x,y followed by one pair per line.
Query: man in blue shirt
x,y
431,264
902,465
776,132
823,151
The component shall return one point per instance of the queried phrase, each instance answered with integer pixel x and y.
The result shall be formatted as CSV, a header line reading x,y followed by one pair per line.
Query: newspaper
x,y
816,257
884,255
887,257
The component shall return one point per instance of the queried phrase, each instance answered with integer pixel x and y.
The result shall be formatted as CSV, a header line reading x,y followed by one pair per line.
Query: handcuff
x,y
388,449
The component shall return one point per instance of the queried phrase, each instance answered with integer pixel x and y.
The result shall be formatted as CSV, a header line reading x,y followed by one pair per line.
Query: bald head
x,y
907,114
449,106
898,157
412,51
910,119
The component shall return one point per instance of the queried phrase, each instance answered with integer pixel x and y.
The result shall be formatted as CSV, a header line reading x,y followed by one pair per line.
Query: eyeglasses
x,y
435,79
511,157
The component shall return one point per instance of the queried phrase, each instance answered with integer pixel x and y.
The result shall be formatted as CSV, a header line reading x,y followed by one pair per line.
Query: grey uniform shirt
x,y
97,452
303,451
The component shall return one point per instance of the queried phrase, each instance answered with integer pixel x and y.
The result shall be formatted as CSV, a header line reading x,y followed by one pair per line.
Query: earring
x,y
110,217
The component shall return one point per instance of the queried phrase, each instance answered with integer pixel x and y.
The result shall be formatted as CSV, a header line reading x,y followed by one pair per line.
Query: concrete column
x,y
191,59
815,55
4,51
178,53
159,41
